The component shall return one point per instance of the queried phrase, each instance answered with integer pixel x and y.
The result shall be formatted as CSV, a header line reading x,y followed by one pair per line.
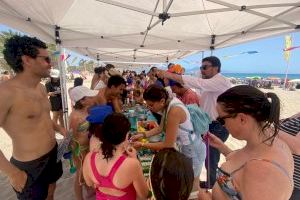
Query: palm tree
x,y
5,35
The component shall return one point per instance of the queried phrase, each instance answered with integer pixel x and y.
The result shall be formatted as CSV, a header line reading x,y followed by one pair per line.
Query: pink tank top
x,y
107,181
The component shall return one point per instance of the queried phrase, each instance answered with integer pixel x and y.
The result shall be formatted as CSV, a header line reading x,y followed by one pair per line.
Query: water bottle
x,y
133,121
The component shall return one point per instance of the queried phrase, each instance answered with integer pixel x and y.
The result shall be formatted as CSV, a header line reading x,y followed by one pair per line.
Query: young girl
x,y
115,173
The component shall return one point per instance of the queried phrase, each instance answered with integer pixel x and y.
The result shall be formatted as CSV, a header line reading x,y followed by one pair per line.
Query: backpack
x,y
199,119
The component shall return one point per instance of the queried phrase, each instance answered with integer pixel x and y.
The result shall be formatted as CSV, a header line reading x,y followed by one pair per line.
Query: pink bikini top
x,y
107,181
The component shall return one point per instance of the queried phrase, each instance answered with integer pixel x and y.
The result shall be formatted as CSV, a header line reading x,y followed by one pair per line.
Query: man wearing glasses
x,y
25,116
211,85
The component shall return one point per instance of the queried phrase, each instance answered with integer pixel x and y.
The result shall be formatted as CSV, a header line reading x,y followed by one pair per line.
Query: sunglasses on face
x,y
205,67
46,58
221,120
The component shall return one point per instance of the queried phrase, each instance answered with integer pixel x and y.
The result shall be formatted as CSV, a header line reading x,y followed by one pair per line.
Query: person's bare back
x,y
26,119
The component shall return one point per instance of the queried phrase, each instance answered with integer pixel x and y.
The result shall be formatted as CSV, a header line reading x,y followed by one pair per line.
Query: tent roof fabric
x,y
150,30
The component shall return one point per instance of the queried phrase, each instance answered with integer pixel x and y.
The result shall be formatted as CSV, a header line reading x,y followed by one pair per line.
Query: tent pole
x,y
98,60
212,43
62,70
286,74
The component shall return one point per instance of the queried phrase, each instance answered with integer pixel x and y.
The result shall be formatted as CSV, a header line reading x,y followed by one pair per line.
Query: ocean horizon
x,y
263,75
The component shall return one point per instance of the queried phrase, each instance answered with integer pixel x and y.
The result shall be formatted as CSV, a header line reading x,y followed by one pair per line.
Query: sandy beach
x,y
289,103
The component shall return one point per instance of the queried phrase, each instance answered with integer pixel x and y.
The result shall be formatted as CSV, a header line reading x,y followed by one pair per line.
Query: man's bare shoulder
x,y
101,92
7,97
7,89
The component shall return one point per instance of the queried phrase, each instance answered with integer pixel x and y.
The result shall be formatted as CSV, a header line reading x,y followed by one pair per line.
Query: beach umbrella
x,y
255,77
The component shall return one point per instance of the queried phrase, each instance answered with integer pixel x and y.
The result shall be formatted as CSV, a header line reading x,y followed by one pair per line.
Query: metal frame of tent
x,y
147,42
140,51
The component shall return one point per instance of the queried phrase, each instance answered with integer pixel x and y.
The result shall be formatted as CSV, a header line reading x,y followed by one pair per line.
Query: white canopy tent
x,y
146,56
150,30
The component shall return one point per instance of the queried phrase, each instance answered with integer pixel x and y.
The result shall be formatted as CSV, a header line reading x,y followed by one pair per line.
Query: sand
x,y
289,103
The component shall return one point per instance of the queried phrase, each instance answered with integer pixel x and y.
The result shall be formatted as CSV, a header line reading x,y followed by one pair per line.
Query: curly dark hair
x,y
115,80
263,107
114,131
17,46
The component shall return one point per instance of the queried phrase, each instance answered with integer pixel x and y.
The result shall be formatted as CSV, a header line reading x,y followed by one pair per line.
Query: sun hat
x,y
99,113
176,68
77,93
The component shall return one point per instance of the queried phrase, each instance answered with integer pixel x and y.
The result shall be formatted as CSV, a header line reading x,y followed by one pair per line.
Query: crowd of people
x,y
105,153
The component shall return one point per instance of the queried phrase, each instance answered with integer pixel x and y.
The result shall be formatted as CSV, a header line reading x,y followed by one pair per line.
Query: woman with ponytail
x,y
263,169
114,170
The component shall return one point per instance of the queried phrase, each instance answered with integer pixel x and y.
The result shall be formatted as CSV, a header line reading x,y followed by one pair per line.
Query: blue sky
x,y
269,58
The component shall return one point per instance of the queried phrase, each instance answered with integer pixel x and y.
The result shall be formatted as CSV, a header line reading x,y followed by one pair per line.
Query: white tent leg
x,y
63,85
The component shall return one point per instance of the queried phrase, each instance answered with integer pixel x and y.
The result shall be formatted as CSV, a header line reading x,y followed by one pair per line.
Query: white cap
x,y
77,93
54,73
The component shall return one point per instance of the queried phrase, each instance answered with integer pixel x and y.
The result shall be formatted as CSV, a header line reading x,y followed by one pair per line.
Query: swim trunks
x,y
41,172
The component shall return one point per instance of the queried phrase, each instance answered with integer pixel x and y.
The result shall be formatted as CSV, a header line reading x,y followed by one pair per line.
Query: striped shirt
x,y
292,127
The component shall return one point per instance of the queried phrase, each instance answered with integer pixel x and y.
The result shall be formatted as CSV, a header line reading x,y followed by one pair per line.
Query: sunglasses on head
x,y
221,120
46,58
205,67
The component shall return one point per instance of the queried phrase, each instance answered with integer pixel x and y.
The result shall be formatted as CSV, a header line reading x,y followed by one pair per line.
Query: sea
x,y
262,75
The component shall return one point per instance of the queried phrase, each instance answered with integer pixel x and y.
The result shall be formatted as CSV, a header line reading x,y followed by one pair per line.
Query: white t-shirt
x,y
210,89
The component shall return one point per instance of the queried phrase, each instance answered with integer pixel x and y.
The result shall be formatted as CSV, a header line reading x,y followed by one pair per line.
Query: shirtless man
x,y
111,95
25,116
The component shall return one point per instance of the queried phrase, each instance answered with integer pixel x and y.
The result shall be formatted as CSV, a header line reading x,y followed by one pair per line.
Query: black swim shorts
x,y
41,173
